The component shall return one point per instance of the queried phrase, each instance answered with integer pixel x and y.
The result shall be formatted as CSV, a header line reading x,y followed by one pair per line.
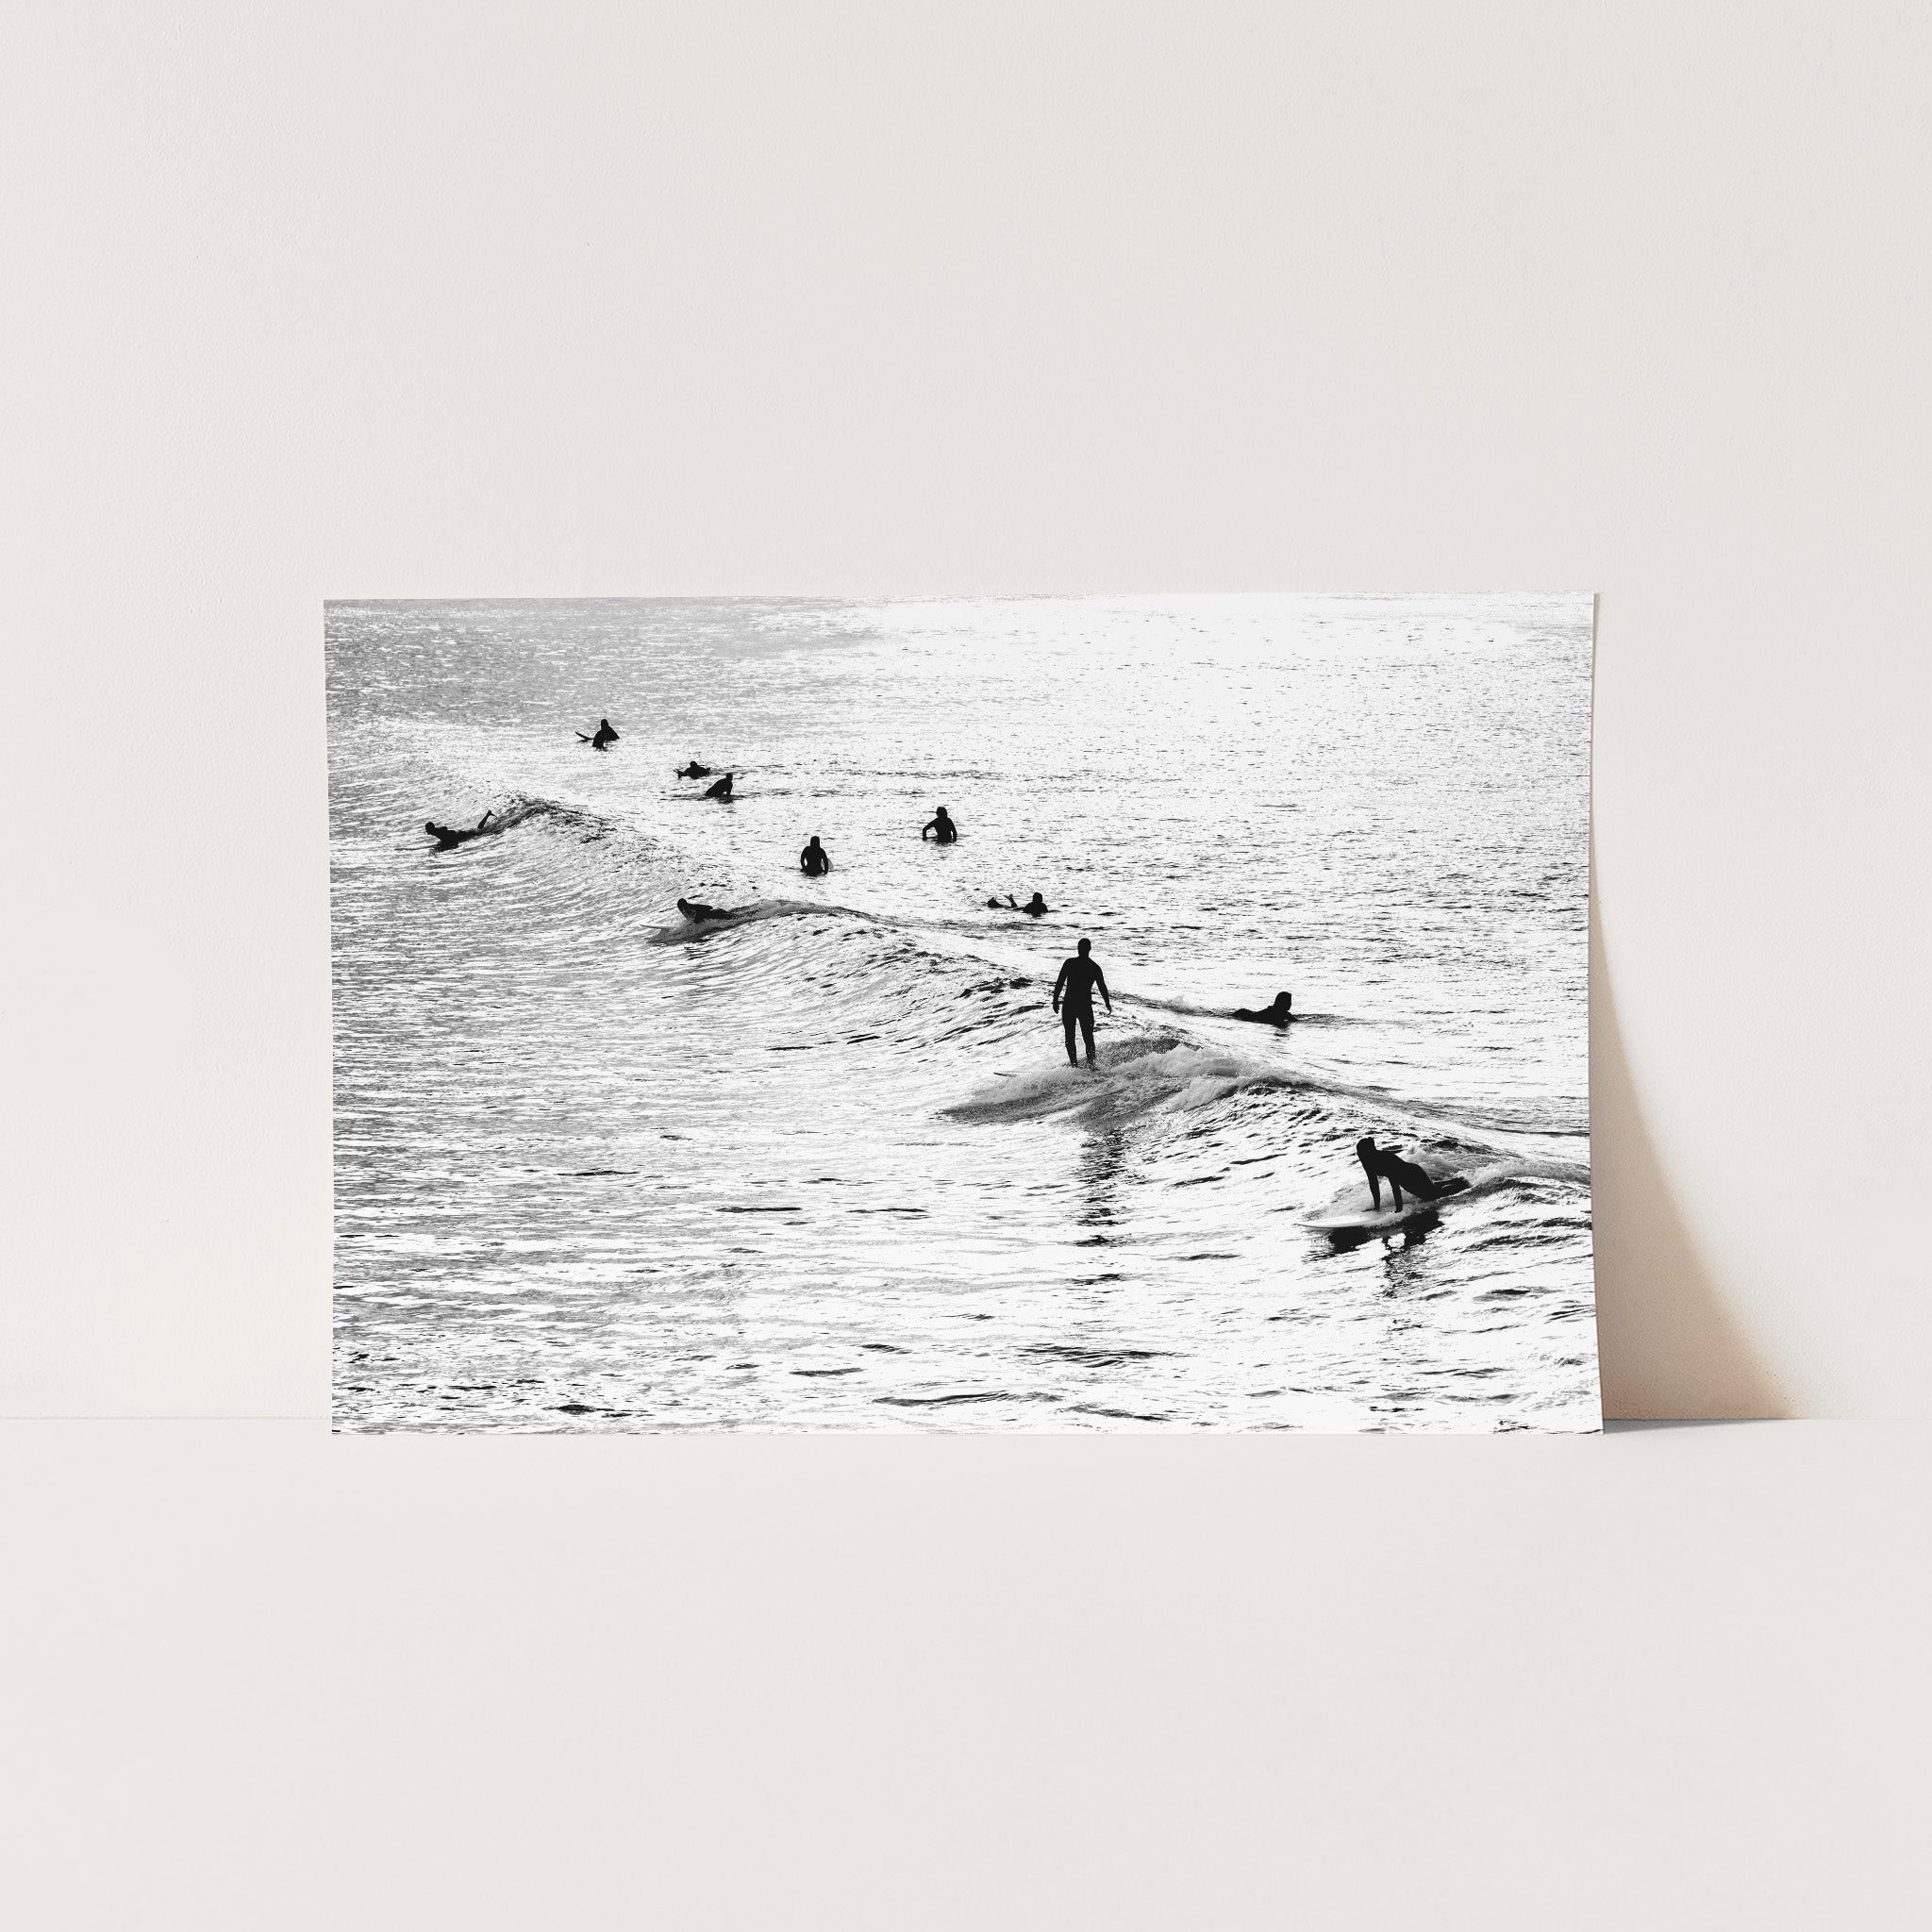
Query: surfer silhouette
x,y
602,736
698,913
1386,1164
1073,998
448,839
721,790
693,769
814,859
1276,1015
1034,909
941,827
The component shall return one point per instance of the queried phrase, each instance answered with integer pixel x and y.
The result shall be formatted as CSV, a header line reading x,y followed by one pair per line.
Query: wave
x,y
1162,1070
760,910
524,809
1152,1072
1165,1073
1170,1068
732,917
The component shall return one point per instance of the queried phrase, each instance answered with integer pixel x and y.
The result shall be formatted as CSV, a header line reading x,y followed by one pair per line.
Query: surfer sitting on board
x,y
941,827
693,769
721,790
697,913
602,736
814,859
1073,998
447,839
1386,1164
1276,1015
1035,907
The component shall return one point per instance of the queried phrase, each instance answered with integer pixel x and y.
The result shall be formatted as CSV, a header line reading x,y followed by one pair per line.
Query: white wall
x,y
438,299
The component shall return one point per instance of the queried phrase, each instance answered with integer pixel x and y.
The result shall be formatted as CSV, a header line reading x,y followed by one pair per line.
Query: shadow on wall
x,y
1667,1343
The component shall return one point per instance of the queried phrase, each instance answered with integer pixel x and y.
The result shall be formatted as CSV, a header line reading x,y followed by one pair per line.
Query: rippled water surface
x,y
823,1165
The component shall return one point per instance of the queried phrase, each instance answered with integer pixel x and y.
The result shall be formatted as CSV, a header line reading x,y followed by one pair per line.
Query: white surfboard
x,y
1355,1212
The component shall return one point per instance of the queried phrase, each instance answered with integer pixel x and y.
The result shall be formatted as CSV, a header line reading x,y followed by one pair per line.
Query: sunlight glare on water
x,y
824,1166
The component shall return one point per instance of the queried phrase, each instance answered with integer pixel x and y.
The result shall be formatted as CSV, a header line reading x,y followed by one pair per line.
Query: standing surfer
x,y
1073,998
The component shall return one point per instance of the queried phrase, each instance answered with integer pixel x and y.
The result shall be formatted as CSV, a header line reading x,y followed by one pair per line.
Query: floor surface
x,y
259,1675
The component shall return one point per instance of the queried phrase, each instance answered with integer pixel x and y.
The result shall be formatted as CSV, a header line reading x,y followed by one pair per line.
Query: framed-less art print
x,y
1012,1014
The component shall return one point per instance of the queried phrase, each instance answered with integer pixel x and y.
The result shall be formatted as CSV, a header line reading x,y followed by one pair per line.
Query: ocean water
x,y
823,1166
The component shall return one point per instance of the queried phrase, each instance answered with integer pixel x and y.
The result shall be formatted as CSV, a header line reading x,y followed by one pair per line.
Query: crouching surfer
x,y
1276,1015
448,837
1386,1164
697,913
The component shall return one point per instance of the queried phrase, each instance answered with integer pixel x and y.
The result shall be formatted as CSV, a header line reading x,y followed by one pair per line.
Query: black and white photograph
x,y
962,1014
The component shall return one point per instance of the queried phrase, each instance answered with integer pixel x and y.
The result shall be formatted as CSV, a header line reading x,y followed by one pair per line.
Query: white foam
x,y
1156,1074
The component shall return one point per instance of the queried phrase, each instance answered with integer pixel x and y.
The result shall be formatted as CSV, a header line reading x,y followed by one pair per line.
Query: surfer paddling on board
x,y
1276,1015
1073,998
814,860
1386,1164
693,769
448,839
944,830
721,790
602,737
698,913
1036,908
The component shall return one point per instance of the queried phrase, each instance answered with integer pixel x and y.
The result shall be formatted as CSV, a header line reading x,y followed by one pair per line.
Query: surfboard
x,y
1356,1213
